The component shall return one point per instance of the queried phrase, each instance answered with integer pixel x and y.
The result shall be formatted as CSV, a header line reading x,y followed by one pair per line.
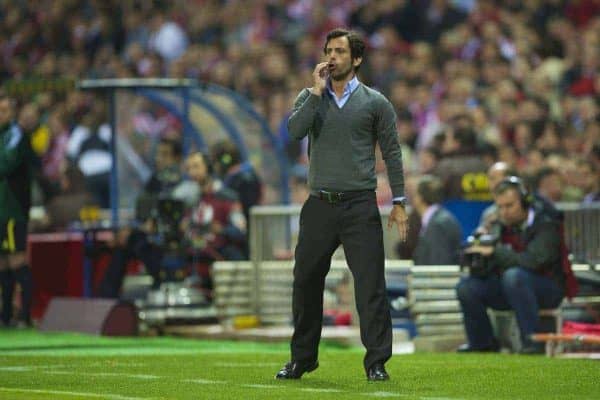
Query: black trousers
x,y
356,224
138,247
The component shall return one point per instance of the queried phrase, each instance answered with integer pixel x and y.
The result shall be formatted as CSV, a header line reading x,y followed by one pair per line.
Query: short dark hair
x,y
355,41
225,153
517,185
466,137
543,173
174,144
429,187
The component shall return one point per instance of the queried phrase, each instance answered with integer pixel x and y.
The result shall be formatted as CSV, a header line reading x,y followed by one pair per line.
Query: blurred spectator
x,y
438,17
55,155
216,226
440,234
588,181
167,168
167,38
461,166
64,209
549,184
428,160
29,120
89,147
236,174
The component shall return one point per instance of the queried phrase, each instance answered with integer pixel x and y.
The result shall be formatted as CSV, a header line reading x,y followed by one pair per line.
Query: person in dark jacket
x,y
15,201
236,174
440,235
525,271
239,176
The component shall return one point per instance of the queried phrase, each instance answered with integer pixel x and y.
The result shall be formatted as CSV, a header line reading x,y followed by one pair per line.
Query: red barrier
x,y
57,265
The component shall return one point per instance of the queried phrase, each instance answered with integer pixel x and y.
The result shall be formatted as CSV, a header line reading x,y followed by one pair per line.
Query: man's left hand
x,y
399,217
478,249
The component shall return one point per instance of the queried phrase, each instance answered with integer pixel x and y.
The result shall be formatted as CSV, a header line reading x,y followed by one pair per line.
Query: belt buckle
x,y
331,197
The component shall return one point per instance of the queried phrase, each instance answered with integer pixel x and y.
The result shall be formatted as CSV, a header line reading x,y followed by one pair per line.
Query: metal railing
x,y
274,232
264,284
582,231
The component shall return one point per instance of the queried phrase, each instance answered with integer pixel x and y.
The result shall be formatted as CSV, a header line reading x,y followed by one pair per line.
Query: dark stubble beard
x,y
343,74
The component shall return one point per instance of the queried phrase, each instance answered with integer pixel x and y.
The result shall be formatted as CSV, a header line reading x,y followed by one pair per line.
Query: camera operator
x,y
495,174
147,242
522,271
216,226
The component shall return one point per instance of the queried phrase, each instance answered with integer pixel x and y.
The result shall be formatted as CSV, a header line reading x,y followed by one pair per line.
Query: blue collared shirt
x,y
348,89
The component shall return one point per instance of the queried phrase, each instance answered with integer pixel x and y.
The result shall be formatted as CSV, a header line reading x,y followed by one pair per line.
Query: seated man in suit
x,y
440,236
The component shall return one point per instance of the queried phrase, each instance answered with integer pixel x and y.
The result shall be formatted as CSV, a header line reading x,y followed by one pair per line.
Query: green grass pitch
x,y
34,366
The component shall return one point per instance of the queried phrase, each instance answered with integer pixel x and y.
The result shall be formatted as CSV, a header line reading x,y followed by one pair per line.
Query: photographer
x,y
522,271
216,226
149,240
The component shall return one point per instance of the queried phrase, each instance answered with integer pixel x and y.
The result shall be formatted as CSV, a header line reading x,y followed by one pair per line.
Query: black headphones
x,y
518,184
225,154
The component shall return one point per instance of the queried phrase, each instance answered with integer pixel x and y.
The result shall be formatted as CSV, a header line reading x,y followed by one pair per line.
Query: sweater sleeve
x,y
303,114
387,136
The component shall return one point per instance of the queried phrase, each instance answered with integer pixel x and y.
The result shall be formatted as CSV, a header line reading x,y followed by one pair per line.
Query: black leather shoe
x,y
295,370
467,348
532,348
377,373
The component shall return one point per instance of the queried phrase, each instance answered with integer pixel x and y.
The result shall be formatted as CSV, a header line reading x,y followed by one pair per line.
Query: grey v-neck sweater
x,y
342,141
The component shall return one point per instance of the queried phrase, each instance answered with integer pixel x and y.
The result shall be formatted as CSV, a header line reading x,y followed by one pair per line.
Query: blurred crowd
x,y
472,81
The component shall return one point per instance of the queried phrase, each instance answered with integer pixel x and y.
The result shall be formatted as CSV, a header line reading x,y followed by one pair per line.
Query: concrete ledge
x,y
440,343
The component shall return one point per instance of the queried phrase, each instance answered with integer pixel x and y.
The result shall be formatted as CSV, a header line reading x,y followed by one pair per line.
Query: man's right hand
x,y
320,75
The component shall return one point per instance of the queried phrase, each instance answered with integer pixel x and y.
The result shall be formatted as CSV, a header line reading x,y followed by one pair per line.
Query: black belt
x,y
336,197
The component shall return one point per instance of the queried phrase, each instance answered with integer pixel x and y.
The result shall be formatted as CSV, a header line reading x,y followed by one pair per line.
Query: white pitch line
x,y
135,376
110,396
440,398
317,390
247,365
258,386
114,363
385,394
28,368
110,374
106,374
204,381
16,368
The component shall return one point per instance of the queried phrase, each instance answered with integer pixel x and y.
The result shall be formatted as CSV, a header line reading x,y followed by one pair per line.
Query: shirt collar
x,y
349,88
530,217
529,221
428,214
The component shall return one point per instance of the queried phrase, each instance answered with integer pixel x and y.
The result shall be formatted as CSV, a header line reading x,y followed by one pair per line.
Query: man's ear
x,y
357,61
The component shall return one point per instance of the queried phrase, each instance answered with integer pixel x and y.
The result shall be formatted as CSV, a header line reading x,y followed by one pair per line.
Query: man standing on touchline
x,y
344,120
